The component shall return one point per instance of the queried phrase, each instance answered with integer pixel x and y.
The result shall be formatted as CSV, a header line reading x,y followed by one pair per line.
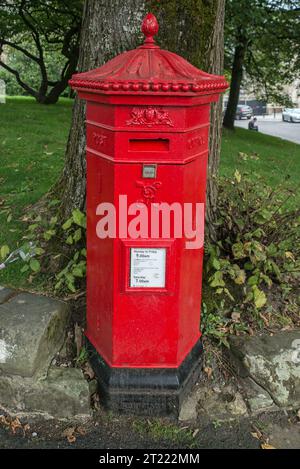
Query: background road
x,y
276,127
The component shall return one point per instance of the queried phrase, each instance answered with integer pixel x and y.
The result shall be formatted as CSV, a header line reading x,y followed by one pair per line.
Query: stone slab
x,y
63,394
5,294
32,330
257,398
273,362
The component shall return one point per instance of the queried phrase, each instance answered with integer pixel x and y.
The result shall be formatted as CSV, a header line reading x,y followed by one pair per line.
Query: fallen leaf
x,y
267,446
255,435
88,371
195,432
81,430
15,424
236,316
208,371
71,438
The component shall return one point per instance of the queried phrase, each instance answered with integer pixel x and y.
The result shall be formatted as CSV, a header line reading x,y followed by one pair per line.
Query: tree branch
x,y
19,48
24,85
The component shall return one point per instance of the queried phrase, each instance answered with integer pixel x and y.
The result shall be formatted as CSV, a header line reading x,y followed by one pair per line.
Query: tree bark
x,y
191,28
215,64
235,85
108,29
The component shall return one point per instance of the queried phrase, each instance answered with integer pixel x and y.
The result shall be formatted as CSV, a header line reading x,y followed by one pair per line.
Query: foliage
x,y
257,250
274,159
36,30
61,249
262,40
32,142
30,72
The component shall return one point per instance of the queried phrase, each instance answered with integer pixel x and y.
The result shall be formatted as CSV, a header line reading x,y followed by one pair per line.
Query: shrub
x,y
256,253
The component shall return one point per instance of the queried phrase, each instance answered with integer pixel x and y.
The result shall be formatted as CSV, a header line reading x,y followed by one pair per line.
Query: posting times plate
x,y
148,267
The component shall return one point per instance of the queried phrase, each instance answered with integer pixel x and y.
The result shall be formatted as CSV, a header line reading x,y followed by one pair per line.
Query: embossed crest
x,y
149,116
148,191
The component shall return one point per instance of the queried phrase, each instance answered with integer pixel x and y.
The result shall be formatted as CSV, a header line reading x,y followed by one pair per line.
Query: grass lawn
x,y
32,144
278,161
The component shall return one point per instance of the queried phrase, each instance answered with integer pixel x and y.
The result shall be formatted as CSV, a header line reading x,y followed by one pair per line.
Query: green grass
x,y
32,145
278,160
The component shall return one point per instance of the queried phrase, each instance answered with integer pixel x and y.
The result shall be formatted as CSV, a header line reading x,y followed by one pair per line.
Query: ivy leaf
x,y
67,224
217,280
4,251
69,239
77,235
240,277
216,263
259,297
34,265
237,176
238,250
79,218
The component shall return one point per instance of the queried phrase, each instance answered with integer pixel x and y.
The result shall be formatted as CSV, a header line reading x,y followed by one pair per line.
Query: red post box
x,y
147,148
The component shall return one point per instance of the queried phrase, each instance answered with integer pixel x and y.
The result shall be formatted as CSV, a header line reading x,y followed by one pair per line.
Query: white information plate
x,y
148,267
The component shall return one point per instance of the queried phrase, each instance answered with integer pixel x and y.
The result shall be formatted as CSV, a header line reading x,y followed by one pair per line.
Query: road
x,y
276,127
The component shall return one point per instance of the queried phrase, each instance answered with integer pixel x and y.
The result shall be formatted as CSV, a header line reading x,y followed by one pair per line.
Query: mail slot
x,y
145,144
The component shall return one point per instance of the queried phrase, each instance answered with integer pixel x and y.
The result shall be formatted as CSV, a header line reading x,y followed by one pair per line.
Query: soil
x,y
105,431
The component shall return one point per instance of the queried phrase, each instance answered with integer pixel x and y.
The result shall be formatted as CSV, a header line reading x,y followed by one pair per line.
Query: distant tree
x,y
262,41
38,29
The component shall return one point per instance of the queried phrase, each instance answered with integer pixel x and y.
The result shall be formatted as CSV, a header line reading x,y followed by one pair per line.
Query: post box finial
x,y
150,28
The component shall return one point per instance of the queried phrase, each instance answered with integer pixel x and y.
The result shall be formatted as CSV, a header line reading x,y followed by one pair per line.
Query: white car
x,y
291,115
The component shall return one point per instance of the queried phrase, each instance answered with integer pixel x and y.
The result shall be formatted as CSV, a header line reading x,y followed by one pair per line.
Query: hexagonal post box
x,y
147,147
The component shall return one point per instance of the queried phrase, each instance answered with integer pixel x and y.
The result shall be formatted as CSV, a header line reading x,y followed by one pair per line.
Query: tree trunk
x,y
235,85
191,28
108,29
215,64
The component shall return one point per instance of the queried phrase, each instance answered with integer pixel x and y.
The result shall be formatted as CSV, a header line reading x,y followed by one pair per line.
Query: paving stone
x,y
273,362
32,330
5,294
63,394
257,398
205,403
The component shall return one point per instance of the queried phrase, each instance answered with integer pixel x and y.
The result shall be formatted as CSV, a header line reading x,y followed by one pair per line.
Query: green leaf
x,y
216,263
67,224
259,297
39,251
216,280
4,251
238,250
25,268
69,239
79,218
9,218
49,234
77,235
237,176
240,276
53,221
34,265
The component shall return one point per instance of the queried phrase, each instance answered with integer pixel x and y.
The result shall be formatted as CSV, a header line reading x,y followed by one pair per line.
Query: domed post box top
x,y
149,70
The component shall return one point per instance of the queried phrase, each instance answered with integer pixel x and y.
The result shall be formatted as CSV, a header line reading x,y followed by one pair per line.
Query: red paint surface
x,y
155,113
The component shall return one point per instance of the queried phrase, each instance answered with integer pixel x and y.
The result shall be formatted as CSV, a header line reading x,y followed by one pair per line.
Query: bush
x,y
255,255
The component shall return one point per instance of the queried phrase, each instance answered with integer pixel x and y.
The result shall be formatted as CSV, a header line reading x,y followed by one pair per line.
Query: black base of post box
x,y
146,391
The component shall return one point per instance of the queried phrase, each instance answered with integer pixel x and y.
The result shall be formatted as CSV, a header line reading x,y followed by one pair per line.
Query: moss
x,y
185,27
